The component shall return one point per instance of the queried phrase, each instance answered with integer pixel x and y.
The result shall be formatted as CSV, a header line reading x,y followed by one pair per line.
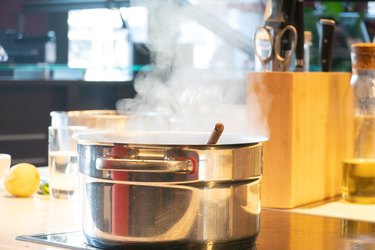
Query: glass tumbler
x,y
62,161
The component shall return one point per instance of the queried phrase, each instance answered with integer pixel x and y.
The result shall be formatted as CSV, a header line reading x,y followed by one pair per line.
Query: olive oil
x,y
359,180
359,170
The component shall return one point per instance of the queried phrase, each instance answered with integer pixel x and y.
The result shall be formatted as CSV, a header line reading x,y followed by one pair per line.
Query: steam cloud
x,y
174,96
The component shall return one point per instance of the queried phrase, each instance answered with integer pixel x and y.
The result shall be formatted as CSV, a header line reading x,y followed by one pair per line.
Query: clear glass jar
x,y
359,160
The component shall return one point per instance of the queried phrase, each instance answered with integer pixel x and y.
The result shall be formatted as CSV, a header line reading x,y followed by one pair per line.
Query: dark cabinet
x,y
25,108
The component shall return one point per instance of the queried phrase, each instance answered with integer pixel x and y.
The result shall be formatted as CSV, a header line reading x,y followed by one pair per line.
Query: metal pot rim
x,y
165,138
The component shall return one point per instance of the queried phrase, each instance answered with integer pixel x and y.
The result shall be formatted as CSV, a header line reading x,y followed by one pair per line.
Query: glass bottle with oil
x,y
359,162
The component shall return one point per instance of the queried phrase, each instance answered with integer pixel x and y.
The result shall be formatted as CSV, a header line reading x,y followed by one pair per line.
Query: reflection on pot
x,y
119,213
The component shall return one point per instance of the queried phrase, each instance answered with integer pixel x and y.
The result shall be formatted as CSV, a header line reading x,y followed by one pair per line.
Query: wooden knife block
x,y
304,114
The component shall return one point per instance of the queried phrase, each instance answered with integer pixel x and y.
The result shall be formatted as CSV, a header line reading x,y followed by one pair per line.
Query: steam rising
x,y
174,95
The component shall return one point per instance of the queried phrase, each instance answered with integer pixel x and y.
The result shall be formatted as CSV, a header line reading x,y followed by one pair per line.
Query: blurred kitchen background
x,y
87,54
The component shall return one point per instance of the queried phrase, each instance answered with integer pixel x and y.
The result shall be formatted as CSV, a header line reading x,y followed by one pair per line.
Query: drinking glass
x,y
62,161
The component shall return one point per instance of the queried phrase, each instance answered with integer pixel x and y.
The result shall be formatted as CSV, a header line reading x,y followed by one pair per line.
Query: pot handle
x,y
148,166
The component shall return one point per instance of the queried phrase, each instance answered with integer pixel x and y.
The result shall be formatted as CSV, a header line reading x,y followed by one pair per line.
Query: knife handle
x,y
299,24
325,43
288,11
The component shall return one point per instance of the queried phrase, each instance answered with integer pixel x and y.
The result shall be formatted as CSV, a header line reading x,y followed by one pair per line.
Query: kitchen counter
x,y
322,225
338,208
288,230
38,214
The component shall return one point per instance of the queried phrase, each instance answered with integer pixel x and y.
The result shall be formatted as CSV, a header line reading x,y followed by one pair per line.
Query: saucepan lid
x,y
166,138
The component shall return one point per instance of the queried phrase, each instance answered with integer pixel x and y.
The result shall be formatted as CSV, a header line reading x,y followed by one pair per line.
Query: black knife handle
x,y
288,11
299,24
325,43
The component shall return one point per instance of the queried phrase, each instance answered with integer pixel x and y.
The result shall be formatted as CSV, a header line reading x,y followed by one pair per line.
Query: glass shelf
x,y
42,71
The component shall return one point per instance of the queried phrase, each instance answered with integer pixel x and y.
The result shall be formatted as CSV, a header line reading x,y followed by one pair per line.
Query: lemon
x,y
22,180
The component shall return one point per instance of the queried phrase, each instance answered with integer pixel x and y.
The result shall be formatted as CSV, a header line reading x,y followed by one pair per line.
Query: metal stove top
x,y
70,240
77,241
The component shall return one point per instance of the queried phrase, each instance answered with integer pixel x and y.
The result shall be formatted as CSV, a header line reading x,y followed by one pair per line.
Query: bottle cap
x,y
308,36
363,56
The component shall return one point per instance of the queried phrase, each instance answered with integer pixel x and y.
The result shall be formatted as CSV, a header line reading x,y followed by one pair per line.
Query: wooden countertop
x,y
38,214
280,229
